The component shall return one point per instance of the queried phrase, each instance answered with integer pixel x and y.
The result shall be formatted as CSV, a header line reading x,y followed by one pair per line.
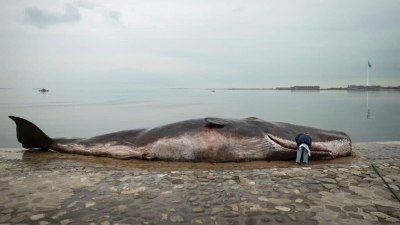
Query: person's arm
x,y
297,138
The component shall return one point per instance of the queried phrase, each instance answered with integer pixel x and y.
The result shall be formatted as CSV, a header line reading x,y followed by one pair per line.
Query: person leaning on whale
x,y
196,140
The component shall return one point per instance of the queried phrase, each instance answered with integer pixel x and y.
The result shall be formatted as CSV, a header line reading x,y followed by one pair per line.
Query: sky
x,y
198,44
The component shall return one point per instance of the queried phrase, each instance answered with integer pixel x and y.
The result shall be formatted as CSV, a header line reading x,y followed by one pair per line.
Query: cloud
x,y
239,9
114,15
43,19
84,4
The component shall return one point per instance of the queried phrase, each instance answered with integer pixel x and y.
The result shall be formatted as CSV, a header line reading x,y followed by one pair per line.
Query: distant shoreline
x,y
271,89
288,89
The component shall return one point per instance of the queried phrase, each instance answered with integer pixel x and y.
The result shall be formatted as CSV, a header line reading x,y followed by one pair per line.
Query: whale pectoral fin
x,y
217,121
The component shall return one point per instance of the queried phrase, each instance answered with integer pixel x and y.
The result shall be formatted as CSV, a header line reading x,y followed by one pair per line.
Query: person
x,y
303,141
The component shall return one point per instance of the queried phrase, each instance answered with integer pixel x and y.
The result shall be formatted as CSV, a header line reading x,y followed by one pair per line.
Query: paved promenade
x,y
52,188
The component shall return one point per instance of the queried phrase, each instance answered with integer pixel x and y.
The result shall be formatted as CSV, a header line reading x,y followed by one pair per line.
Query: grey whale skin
x,y
196,140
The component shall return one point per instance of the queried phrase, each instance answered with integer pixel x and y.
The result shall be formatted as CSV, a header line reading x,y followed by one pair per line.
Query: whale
x,y
196,140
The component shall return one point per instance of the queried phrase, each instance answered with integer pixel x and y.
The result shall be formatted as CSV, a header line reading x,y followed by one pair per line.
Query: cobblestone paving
x,y
50,192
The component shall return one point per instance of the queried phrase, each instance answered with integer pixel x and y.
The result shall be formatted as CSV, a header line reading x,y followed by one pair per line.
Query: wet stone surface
x,y
67,192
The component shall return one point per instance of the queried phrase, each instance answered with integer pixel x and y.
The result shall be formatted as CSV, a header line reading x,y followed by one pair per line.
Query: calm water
x,y
86,113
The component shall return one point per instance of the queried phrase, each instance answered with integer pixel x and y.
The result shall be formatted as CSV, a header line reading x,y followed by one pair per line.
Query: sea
x,y
366,116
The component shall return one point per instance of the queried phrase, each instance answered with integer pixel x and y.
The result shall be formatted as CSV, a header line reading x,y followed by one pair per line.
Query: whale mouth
x,y
314,153
325,152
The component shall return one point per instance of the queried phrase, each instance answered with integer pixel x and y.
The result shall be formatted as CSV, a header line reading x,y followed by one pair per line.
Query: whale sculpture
x,y
196,140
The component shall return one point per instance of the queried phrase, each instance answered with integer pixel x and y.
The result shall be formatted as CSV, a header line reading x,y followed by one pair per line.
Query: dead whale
x,y
196,140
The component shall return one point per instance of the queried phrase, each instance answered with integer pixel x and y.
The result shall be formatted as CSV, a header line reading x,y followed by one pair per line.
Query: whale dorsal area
x,y
217,121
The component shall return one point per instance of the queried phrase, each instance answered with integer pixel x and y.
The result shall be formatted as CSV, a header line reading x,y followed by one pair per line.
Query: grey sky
x,y
198,43
42,19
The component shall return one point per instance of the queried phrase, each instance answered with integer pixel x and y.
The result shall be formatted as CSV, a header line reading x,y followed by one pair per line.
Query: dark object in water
x,y
43,90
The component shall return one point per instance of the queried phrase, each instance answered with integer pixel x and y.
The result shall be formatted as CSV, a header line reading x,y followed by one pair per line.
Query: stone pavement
x,y
52,188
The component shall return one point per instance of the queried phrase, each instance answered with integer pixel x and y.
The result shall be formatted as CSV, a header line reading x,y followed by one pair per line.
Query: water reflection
x,y
368,110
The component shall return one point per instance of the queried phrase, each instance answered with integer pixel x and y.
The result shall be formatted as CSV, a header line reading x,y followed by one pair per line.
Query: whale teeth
x,y
145,156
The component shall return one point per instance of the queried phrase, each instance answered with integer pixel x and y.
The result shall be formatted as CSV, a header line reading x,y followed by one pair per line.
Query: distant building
x,y
305,88
337,88
363,87
391,88
299,88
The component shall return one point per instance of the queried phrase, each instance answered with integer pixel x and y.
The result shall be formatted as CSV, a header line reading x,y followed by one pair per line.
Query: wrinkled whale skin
x,y
196,140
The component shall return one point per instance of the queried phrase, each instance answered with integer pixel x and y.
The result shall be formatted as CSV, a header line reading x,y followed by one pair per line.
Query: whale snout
x,y
331,149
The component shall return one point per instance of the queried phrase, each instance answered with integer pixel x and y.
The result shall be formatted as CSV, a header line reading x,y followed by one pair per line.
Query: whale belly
x,y
209,146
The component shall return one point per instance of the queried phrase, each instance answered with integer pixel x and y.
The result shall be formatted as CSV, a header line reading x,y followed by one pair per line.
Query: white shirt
x,y
306,147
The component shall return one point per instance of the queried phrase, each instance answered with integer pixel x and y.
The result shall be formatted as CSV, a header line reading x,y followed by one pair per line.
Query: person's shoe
x,y
297,163
304,163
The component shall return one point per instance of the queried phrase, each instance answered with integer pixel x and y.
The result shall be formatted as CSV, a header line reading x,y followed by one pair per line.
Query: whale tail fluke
x,y
29,135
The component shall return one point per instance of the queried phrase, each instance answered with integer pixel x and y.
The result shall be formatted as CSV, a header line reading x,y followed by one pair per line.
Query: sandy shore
x,y
41,187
